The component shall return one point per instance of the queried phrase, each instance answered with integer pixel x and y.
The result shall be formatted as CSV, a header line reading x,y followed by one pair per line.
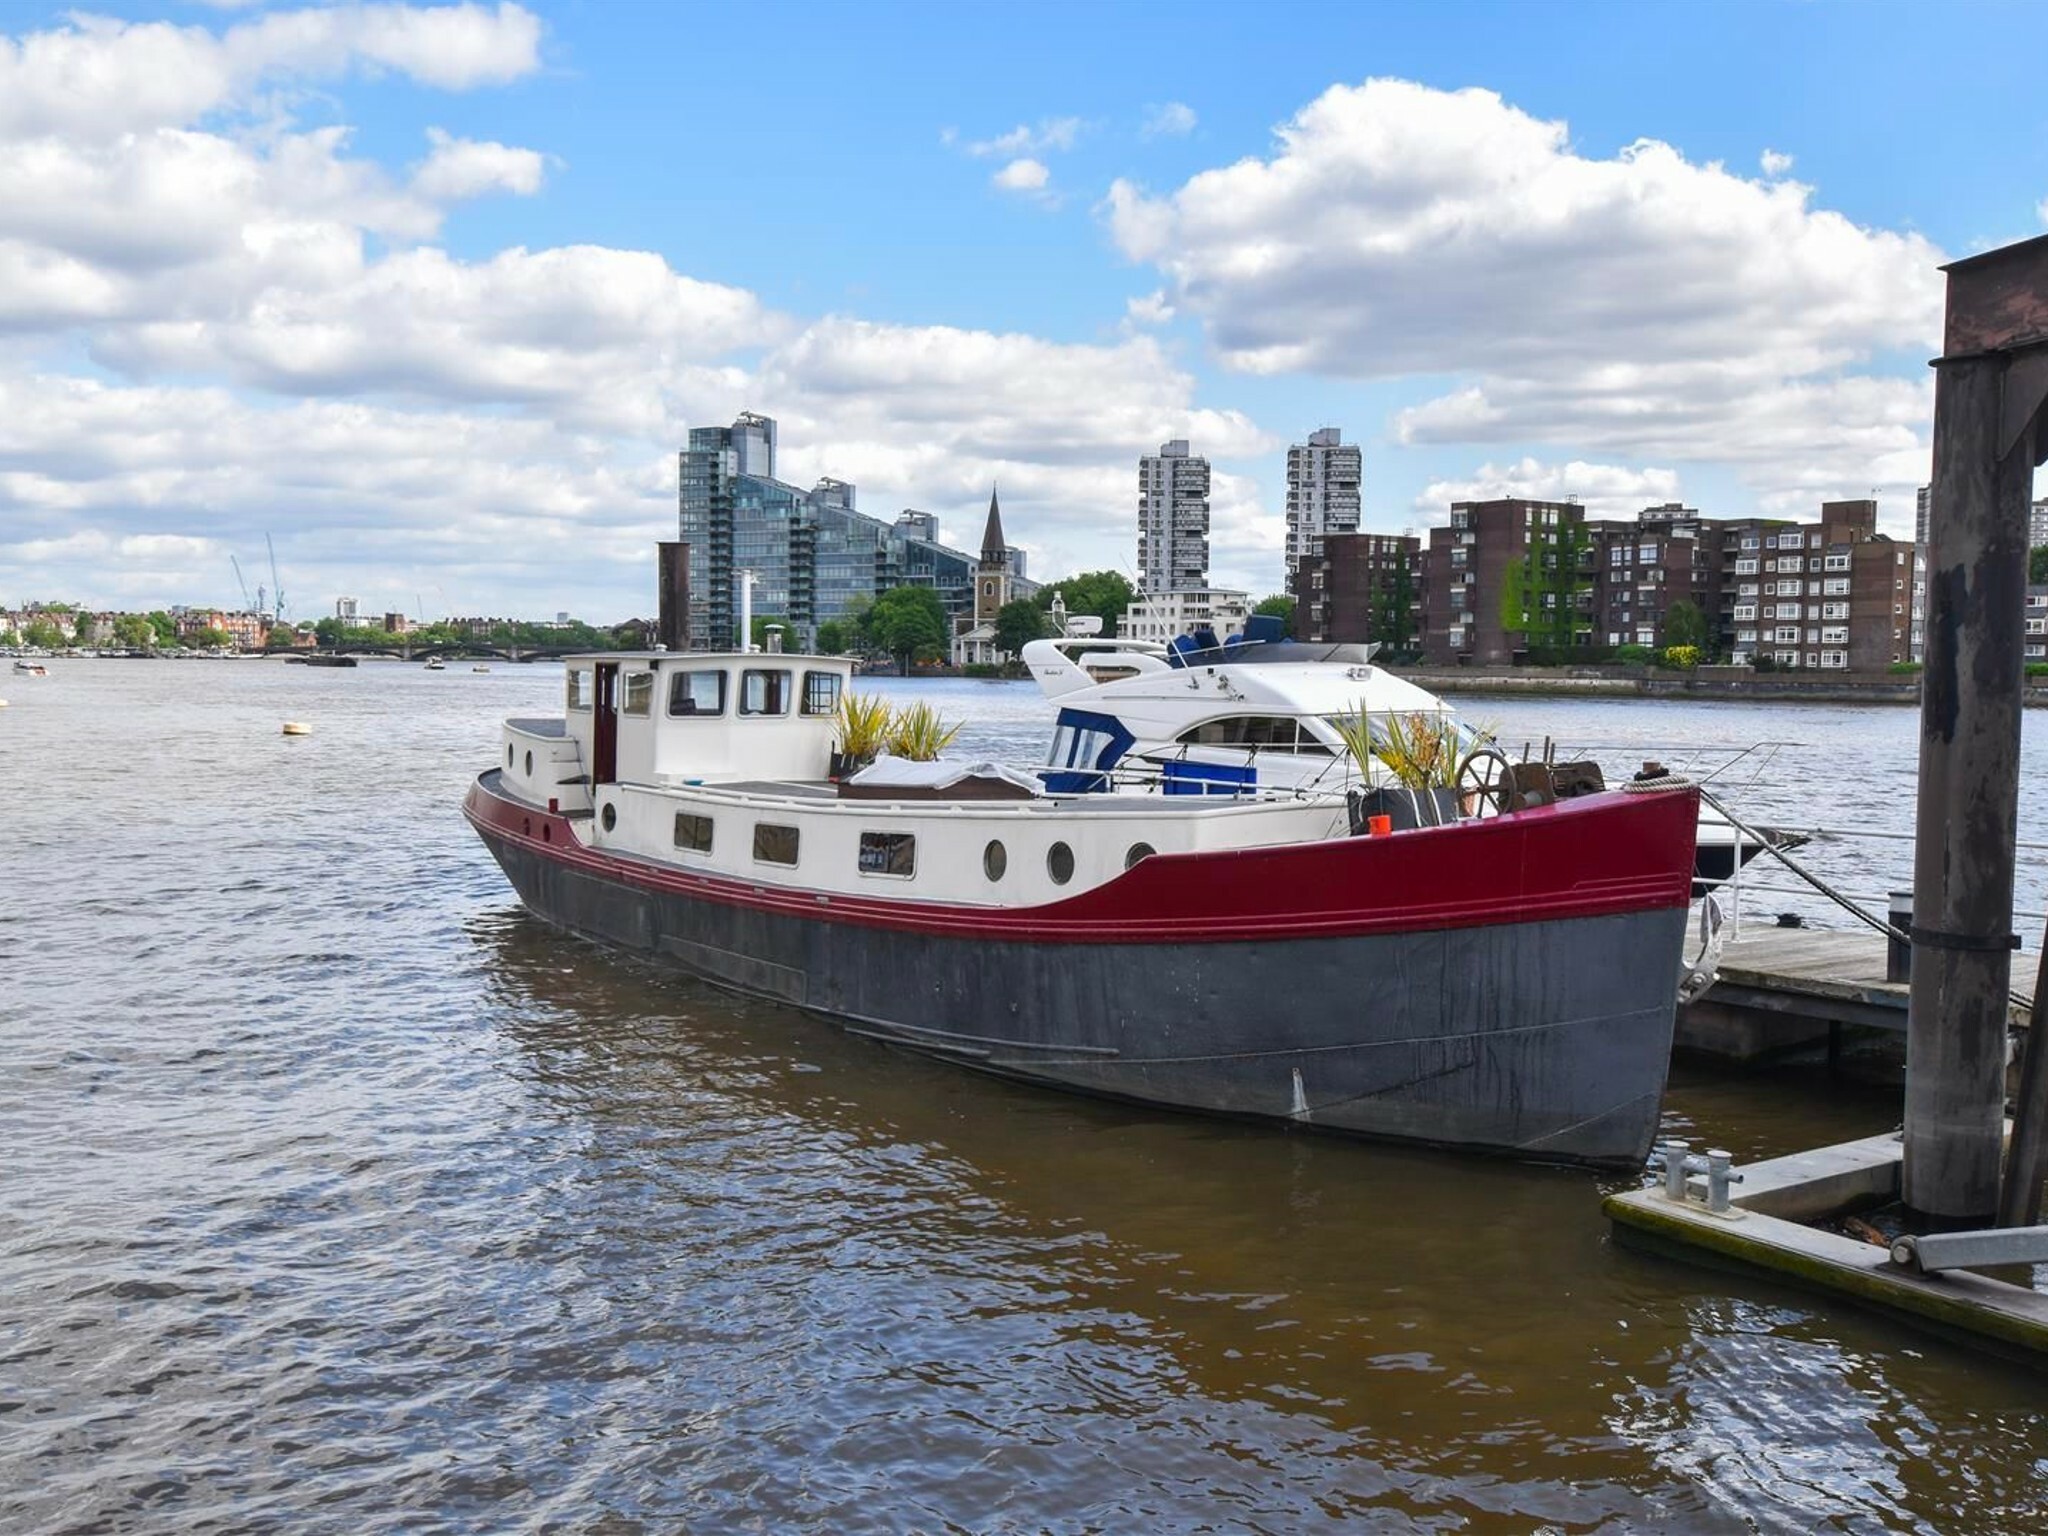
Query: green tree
x,y
856,619
1539,596
1018,623
757,635
208,638
1685,626
1106,594
1391,613
165,626
2037,565
908,622
831,639
43,635
133,631
1281,607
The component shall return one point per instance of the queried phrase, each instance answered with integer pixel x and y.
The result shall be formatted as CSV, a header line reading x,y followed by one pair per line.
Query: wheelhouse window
x,y
696,693
693,833
639,695
888,853
1276,733
773,844
580,689
764,692
821,693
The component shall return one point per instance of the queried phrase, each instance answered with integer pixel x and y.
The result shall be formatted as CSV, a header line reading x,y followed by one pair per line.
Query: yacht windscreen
x,y
1085,746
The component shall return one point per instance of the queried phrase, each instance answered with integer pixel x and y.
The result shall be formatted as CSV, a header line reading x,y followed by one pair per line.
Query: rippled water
x,y
337,1194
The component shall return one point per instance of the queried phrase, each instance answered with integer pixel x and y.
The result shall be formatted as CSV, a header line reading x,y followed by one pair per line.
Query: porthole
x,y
529,765
1059,863
529,826
547,833
610,818
1138,851
508,754
994,860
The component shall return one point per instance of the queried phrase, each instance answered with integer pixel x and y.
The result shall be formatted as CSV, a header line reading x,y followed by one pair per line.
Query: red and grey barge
x,y
1506,983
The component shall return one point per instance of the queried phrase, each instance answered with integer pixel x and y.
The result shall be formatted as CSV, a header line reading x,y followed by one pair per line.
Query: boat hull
x,y
1545,1039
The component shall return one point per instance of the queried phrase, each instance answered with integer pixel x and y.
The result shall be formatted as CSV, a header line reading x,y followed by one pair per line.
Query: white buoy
x,y
297,728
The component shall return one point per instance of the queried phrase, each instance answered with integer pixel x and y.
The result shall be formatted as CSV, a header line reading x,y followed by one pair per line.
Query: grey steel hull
x,y
1547,1040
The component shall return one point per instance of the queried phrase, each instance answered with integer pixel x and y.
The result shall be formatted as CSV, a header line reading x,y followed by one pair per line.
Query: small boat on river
x,y
1505,983
30,669
1261,711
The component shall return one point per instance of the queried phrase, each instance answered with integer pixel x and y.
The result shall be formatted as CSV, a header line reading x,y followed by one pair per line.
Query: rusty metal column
x,y
1988,391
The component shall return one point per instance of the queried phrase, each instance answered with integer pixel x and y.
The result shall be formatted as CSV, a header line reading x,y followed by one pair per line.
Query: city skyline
x,y
433,294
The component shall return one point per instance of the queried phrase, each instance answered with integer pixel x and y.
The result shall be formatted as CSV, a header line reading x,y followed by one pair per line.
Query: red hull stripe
x,y
1588,857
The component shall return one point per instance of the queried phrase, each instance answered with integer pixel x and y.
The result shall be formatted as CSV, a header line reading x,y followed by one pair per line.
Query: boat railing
x,y
1745,889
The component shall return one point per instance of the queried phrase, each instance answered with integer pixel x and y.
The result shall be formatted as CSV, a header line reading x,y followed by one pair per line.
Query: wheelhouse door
x,y
604,767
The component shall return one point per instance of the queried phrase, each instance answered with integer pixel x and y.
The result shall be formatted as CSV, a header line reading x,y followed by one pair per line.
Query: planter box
x,y
1406,809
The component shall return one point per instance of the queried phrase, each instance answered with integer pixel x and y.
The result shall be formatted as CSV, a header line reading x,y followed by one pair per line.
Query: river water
x,y
336,1194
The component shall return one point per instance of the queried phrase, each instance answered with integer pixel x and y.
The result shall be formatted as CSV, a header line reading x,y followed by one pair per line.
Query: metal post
x,y
1898,953
673,625
1969,788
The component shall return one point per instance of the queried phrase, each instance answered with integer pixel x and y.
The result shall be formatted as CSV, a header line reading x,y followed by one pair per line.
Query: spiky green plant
x,y
863,725
1419,749
916,732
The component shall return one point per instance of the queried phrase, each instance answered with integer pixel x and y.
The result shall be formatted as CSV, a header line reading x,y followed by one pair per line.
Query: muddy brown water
x,y
338,1194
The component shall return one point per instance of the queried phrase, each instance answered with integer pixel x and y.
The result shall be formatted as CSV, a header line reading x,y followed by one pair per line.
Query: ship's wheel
x,y
1486,785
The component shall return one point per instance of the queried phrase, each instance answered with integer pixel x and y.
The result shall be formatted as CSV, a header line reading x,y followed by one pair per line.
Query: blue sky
x,y
430,293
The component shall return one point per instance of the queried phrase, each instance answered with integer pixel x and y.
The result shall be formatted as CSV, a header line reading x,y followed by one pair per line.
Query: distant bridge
x,y
451,649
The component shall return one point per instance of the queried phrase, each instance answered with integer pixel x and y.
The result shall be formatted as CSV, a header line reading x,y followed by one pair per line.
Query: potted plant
x,y
862,731
915,731
1408,765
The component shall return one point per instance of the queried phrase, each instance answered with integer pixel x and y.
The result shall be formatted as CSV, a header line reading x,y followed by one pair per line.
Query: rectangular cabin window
x,y
696,693
693,833
888,853
639,698
580,690
821,693
773,844
764,693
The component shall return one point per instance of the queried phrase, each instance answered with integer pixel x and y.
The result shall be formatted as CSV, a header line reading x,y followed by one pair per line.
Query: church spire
x,y
992,545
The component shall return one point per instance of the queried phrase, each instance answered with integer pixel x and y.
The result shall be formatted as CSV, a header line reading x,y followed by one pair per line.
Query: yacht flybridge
x,y
1261,712
1239,954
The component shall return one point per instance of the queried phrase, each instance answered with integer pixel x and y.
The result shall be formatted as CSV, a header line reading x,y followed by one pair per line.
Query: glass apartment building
x,y
812,553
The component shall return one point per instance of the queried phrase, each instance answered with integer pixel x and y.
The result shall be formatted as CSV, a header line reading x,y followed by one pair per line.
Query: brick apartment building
x,y
1836,594
1361,587
1832,594
1641,569
1474,564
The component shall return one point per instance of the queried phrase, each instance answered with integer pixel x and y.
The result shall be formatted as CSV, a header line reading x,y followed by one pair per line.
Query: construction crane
x,y
276,581
241,582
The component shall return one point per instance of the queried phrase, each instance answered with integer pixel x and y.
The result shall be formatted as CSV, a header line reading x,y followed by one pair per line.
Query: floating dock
x,y
1766,1228
1779,989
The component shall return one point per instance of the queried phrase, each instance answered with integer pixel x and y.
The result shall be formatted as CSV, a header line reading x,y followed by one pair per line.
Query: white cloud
x,y
1052,133
100,77
279,347
1149,309
1639,304
1022,176
1605,490
1174,120
463,168
1774,163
